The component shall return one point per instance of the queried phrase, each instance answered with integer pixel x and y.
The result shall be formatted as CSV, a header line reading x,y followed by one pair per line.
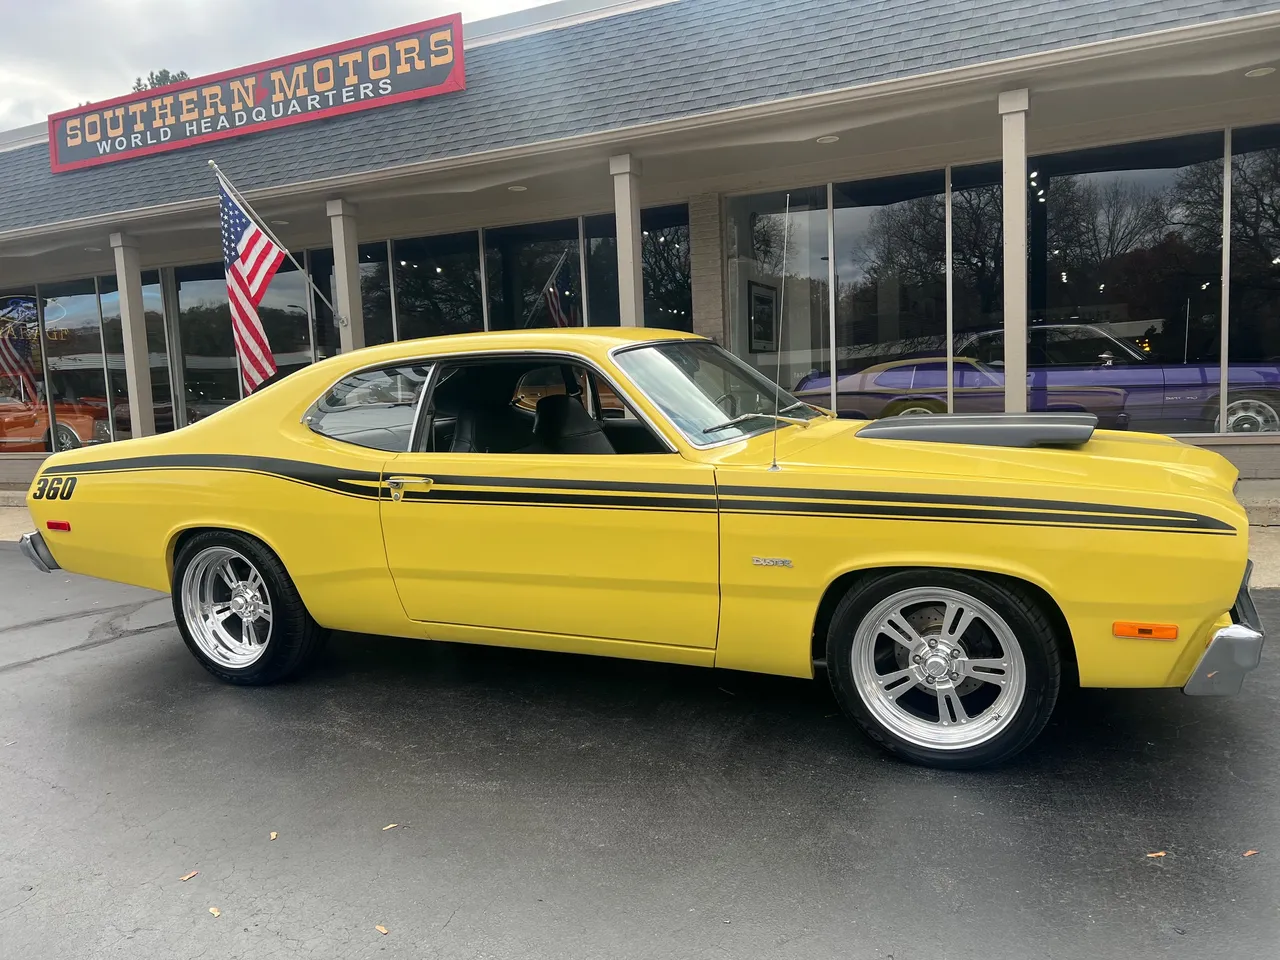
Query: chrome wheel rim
x,y
916,412
227,607
66,438
939,668
1250,415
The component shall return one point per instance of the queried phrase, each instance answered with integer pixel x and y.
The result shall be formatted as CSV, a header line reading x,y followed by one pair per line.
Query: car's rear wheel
x,y
239,612
944,668
914,408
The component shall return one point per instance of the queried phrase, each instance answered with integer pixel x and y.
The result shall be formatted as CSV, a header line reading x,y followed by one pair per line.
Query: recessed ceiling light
x,y
827,139
93,249
517,188
280,223
1260,72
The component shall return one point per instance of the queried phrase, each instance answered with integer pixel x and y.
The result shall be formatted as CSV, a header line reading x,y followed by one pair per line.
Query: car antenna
x,y
782,323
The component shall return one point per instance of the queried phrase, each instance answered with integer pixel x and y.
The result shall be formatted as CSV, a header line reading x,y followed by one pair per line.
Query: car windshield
x,y
701,387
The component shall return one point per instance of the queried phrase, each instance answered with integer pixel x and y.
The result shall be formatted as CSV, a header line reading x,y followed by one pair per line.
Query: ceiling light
x,y
279,223
517,188
404,263
1260,72
828,139
1034,174
439,269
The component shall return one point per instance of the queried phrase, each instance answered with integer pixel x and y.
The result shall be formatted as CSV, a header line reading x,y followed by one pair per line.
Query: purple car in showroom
x,y
1071,367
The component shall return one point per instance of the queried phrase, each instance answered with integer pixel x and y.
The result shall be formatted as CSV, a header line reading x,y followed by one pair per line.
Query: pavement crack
x,y
87,645
125,608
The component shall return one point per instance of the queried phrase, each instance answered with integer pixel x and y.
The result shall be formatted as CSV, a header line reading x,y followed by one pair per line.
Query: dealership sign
x,y
405,64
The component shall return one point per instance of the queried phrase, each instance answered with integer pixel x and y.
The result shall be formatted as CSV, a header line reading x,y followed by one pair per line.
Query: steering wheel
x,y
732,408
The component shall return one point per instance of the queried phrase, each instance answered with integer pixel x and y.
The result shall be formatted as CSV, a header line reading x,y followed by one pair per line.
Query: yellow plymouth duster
x,y
948,574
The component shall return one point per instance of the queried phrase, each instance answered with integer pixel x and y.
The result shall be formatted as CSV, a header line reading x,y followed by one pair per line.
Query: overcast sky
x,y
59,53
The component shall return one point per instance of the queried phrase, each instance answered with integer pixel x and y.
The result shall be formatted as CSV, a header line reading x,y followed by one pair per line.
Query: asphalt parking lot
x,y
551,806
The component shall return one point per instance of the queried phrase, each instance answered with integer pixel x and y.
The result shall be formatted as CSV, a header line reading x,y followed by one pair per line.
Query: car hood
x,y
1137,466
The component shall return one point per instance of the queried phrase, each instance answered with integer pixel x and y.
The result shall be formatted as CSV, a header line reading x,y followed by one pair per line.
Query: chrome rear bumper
x,y
1233,652
33,547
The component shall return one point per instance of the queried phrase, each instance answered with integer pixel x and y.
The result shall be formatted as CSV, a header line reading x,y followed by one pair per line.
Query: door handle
x,y
397,485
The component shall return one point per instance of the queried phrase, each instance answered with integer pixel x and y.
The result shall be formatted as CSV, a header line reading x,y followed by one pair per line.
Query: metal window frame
x,y
1224,311
172,307
832,293
391,290
484,282
582,272
950,296
106,369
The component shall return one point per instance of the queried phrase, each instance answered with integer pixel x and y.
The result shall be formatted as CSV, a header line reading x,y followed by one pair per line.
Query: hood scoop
x,y
988,430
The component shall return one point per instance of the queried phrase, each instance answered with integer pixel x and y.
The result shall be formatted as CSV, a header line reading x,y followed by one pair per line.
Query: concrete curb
x,y
13,498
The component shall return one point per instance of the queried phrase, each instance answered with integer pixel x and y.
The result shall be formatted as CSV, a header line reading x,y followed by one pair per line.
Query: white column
x,y
346,275
626,203
133,322
1013,115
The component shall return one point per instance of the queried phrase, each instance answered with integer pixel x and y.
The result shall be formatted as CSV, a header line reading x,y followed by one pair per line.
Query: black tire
x,y
295,637
1032,628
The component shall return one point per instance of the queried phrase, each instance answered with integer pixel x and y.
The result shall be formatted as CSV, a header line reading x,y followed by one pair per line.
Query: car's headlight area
x,y
101,431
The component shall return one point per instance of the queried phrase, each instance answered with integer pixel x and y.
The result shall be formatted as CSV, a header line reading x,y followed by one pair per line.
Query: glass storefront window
x,y
664,253
375,297
778,311
283,312
74,359
533,275
157,351
437,285
1123,282
25,425
891,306
211,377
1253,400
977,288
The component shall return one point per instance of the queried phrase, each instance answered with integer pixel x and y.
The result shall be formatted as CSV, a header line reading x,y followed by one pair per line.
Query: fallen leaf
x,y
390,825
215,911
189,876
1251,853
1158,853
382,930
274,834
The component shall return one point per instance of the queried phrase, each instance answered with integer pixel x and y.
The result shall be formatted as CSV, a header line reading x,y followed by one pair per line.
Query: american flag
x,y
251,260
16,316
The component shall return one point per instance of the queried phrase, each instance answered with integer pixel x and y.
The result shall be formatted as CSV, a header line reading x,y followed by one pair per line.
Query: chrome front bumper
x,y
33,547
1233,651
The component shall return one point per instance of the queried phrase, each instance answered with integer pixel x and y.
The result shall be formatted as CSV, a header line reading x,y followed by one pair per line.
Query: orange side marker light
x,y
1129,630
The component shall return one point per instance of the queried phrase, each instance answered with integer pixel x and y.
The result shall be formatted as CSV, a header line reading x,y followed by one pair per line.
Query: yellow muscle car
x,y
948,574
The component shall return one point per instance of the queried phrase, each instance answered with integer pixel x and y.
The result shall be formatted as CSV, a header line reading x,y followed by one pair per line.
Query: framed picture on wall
x,y
762,317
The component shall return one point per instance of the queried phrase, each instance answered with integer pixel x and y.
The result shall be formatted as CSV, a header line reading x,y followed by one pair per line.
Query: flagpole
x,y
262,225
545,287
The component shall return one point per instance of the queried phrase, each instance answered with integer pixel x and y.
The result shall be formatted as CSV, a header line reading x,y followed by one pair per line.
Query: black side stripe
x,y
884,511
590,494
531,498
878,496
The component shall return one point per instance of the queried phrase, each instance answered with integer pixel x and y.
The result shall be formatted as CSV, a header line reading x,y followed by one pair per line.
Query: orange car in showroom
x,y
24,420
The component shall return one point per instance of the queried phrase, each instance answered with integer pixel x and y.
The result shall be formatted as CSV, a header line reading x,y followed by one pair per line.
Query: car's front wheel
x,y
238,611
944,668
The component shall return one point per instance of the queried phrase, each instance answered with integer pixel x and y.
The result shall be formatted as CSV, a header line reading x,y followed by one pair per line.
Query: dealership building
x,y
892,206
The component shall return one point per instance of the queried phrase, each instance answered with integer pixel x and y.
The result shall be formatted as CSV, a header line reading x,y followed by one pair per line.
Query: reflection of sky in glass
x,y
68,313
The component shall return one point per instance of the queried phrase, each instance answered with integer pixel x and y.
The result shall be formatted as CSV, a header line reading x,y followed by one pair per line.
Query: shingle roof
x,y
660,63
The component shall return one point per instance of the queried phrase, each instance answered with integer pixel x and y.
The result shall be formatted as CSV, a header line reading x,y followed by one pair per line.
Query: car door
x,y
1080,365
616,547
